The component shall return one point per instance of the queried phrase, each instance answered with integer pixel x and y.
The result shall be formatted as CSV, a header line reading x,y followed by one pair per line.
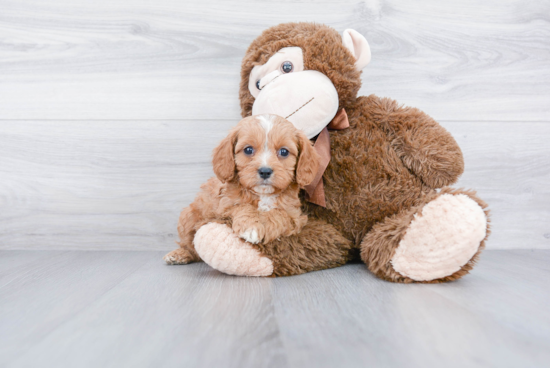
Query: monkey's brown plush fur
x,y
384,168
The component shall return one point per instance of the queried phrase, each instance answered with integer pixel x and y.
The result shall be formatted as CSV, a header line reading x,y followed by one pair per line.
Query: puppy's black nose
x,y
265,172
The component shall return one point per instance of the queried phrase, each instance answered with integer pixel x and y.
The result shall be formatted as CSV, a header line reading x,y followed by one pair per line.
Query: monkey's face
x,y
284,86
307,98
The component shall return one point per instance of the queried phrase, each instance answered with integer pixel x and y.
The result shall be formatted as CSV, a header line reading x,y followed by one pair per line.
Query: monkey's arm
x,y
424,146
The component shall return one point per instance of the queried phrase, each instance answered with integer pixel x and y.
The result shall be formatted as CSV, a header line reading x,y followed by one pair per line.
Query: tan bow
x,y
315,192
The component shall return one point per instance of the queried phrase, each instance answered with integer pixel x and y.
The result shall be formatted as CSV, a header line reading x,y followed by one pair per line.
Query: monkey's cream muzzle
x,y
307,99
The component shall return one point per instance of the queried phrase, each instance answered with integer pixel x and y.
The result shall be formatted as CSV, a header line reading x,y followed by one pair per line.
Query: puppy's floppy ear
x,y
308,161
223,157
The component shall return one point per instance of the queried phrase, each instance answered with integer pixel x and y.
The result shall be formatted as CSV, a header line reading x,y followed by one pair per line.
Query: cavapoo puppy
x,y
260,168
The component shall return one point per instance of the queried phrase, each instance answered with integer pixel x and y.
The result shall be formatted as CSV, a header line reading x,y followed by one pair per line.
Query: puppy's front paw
x,y
250,235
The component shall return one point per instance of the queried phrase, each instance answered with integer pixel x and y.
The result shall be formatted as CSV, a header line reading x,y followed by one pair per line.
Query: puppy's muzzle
x,y
265,172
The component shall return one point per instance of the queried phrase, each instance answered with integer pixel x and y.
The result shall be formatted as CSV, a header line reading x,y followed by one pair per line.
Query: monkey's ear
x,y
358,46
223,157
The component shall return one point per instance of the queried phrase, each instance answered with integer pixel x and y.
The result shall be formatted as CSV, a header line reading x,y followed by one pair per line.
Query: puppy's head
x,y
266,153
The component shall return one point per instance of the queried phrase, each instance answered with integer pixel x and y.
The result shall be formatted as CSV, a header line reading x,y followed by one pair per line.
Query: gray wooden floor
x,y
128,309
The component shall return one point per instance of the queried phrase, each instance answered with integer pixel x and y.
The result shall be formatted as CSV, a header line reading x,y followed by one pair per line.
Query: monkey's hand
x,y
223,250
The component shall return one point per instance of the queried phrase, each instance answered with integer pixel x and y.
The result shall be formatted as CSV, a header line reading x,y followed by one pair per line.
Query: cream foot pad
x,y
442,239
221,249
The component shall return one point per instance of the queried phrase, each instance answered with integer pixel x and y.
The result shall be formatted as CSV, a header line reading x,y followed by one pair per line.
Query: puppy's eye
x,y
258,84
248,150
283,152
287,67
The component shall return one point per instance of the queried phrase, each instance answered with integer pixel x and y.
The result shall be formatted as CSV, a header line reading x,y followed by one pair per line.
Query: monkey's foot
x,y
223,250
435,242
441,239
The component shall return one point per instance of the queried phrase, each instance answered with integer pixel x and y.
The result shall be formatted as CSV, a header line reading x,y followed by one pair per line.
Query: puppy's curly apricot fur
x,y
260,167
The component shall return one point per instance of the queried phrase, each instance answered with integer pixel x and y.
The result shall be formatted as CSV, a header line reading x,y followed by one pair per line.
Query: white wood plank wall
x,y
109,109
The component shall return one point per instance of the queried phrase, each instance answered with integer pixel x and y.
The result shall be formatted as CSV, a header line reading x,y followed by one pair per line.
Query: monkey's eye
x,y
258,84
283,152
248,150
287,67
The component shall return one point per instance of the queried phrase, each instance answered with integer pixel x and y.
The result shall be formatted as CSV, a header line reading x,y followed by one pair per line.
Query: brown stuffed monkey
x,y
382,192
